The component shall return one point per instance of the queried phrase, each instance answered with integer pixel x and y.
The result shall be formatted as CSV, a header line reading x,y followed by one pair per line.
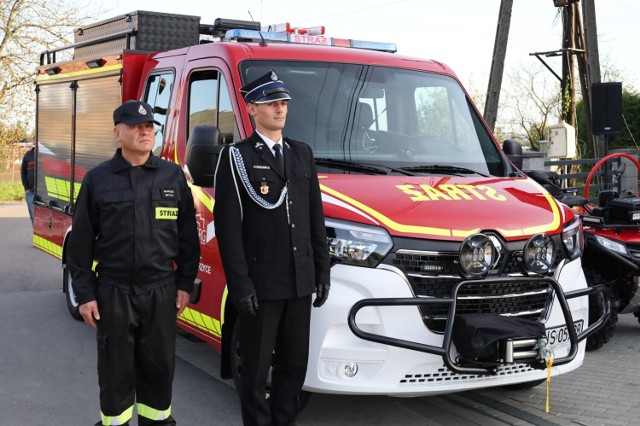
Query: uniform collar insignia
x,y
258,145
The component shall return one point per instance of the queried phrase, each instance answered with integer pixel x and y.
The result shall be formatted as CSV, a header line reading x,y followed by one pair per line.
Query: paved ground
x,y
604,391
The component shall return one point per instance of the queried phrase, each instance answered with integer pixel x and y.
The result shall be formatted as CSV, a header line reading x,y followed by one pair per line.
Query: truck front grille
x,y
517,296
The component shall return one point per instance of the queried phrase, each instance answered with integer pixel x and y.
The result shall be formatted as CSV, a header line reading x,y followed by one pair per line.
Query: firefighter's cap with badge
x,y
265,89
133,112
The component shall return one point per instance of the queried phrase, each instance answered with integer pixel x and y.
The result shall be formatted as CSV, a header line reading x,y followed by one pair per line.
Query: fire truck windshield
x,y
391,117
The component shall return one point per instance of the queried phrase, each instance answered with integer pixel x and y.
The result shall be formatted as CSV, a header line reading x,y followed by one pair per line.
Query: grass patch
x,y
11,191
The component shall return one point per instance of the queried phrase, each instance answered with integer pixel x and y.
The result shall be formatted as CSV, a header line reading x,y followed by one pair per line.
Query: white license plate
x,y
558,337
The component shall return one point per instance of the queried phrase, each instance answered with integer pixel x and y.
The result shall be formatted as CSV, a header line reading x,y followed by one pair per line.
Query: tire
x,y
525,385
637,315
602,336
236,368
72,303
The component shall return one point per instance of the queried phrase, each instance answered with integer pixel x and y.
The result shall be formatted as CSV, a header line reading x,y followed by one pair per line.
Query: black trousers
x,y
136,354
280,332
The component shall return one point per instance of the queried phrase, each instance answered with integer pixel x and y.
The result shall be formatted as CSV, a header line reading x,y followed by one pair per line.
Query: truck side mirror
x,y
513,149
203,149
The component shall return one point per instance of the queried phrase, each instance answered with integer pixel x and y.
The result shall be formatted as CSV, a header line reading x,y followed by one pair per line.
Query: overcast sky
x,y
460,33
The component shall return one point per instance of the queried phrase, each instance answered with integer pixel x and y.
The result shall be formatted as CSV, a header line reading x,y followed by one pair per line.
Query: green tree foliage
x,y
9,136
629,138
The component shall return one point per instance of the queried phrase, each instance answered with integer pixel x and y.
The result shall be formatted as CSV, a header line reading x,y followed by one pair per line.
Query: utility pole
x,y
574,50
567,85
593,66
497,63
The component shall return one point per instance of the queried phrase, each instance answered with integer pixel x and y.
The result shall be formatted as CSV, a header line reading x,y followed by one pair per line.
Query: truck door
x,y
207,99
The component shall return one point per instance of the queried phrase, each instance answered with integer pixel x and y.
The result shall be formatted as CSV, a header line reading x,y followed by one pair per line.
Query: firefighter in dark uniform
x,y
135,218
273,244
27,173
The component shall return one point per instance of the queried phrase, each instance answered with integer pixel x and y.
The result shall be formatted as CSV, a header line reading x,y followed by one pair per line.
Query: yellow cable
x,y
549,364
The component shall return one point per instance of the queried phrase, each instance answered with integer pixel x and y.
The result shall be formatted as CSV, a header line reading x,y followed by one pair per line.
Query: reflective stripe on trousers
x,y
117,420
152,413
143,410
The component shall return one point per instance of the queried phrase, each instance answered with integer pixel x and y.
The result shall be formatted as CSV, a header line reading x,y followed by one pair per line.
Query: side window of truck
x,y
158,95
210,104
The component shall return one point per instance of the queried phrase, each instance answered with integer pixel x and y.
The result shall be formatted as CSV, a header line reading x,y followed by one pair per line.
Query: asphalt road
x,y
48,368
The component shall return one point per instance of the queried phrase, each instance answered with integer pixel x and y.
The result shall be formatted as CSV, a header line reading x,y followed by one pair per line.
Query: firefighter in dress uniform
x,y
135,218
273,244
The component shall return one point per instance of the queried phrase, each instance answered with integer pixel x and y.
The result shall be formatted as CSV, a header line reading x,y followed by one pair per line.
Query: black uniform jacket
x,y
135,222
274,253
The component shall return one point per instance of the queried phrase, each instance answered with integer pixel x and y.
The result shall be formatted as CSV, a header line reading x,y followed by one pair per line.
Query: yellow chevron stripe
x,y
47,246
61,188
57,188
201,321
202,196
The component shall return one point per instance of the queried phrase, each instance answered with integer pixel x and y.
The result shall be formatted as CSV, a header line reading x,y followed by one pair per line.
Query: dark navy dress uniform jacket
x,y
274,253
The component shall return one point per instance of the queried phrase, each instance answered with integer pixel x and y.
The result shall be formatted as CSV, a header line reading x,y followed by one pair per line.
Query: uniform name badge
x,y
264,188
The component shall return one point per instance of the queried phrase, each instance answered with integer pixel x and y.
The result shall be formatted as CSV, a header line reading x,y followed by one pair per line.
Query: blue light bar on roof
x,y
374,45
239,35
255,35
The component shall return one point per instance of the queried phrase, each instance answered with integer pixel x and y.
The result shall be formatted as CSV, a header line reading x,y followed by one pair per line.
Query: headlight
x,y
357,244
478,255
611,245
573,239
539,253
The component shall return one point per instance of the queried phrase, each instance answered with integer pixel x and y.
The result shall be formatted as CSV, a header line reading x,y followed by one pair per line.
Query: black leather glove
x,y
322,293
247,306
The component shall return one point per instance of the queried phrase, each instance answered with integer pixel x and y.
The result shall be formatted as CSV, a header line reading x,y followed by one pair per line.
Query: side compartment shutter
x,y
95,142
54,143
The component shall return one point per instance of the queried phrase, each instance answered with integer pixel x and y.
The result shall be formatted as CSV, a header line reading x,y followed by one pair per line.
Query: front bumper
x,y
372,321
445,350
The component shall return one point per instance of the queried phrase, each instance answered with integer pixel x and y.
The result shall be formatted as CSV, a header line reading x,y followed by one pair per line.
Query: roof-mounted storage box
x,y
139,30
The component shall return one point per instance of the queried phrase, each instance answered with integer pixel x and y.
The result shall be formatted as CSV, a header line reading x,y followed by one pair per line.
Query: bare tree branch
x,y
530,105
28,27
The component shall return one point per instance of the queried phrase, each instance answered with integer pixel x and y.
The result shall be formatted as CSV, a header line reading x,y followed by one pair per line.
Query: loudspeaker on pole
x,y
606,108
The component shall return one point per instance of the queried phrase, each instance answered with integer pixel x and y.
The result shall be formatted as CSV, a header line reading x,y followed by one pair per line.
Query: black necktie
x,y
277,148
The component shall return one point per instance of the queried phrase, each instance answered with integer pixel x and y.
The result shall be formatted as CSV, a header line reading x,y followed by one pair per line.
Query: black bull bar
x,y
445,350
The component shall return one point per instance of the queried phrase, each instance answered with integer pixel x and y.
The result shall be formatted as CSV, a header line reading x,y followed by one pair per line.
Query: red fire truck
x,y
429,223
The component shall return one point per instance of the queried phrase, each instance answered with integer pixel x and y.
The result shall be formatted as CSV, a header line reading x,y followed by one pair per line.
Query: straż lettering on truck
x,y
428,221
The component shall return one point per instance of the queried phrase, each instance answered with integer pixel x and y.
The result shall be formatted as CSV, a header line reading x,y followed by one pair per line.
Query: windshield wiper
x,y
350,165
436,168
365,167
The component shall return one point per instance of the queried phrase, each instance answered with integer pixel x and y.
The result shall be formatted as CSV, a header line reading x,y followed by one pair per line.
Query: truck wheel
x,y
602,336
236,367
72,303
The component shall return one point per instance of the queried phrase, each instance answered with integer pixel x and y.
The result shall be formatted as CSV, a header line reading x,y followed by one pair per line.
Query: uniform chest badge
x,y
264,188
